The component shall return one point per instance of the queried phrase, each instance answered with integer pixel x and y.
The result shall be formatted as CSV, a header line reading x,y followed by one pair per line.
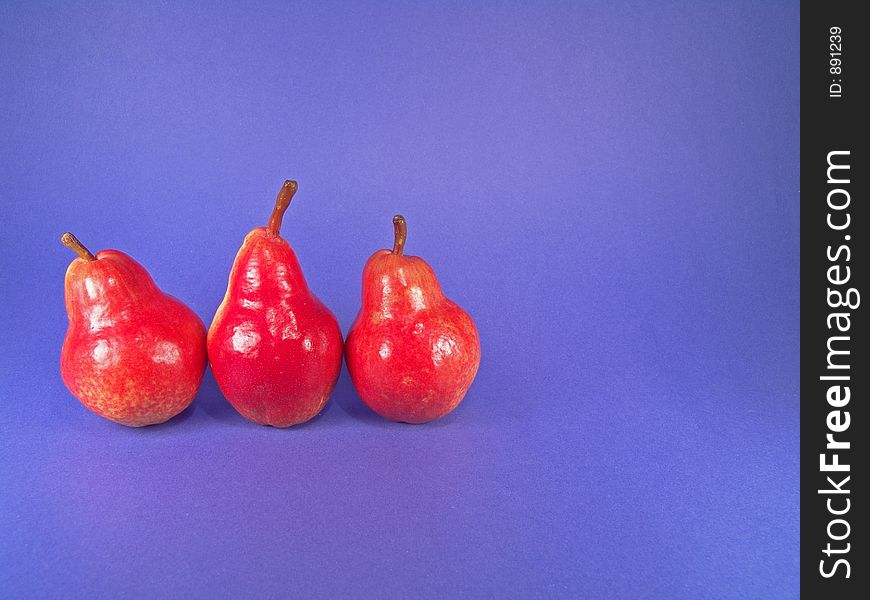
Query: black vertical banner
x,y
835,371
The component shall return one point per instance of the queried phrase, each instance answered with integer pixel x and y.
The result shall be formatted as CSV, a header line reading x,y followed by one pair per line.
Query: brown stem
x,y
72,242
281,203
400,229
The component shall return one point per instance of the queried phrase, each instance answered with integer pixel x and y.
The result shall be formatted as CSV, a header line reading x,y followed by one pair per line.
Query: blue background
x,y
610,189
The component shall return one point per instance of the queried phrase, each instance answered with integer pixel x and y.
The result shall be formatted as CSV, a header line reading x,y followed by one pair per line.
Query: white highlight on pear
x,y
245,338
166,353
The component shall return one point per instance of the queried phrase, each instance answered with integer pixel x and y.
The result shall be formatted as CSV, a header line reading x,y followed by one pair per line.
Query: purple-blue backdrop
x,y
610,189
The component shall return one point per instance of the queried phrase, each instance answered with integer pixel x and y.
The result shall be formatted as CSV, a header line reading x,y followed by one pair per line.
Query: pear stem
x,y
400,229
288,190
73,243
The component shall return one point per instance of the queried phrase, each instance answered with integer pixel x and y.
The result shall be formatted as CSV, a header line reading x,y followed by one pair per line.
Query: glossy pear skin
x,y
275,349
412,353
131,354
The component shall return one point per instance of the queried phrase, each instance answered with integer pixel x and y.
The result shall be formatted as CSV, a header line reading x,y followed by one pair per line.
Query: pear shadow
x,y
345,397
177,419
212,402
448,420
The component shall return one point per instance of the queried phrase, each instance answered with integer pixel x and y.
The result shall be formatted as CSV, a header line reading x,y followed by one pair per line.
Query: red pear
x,y
275,349
412,353
131,354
